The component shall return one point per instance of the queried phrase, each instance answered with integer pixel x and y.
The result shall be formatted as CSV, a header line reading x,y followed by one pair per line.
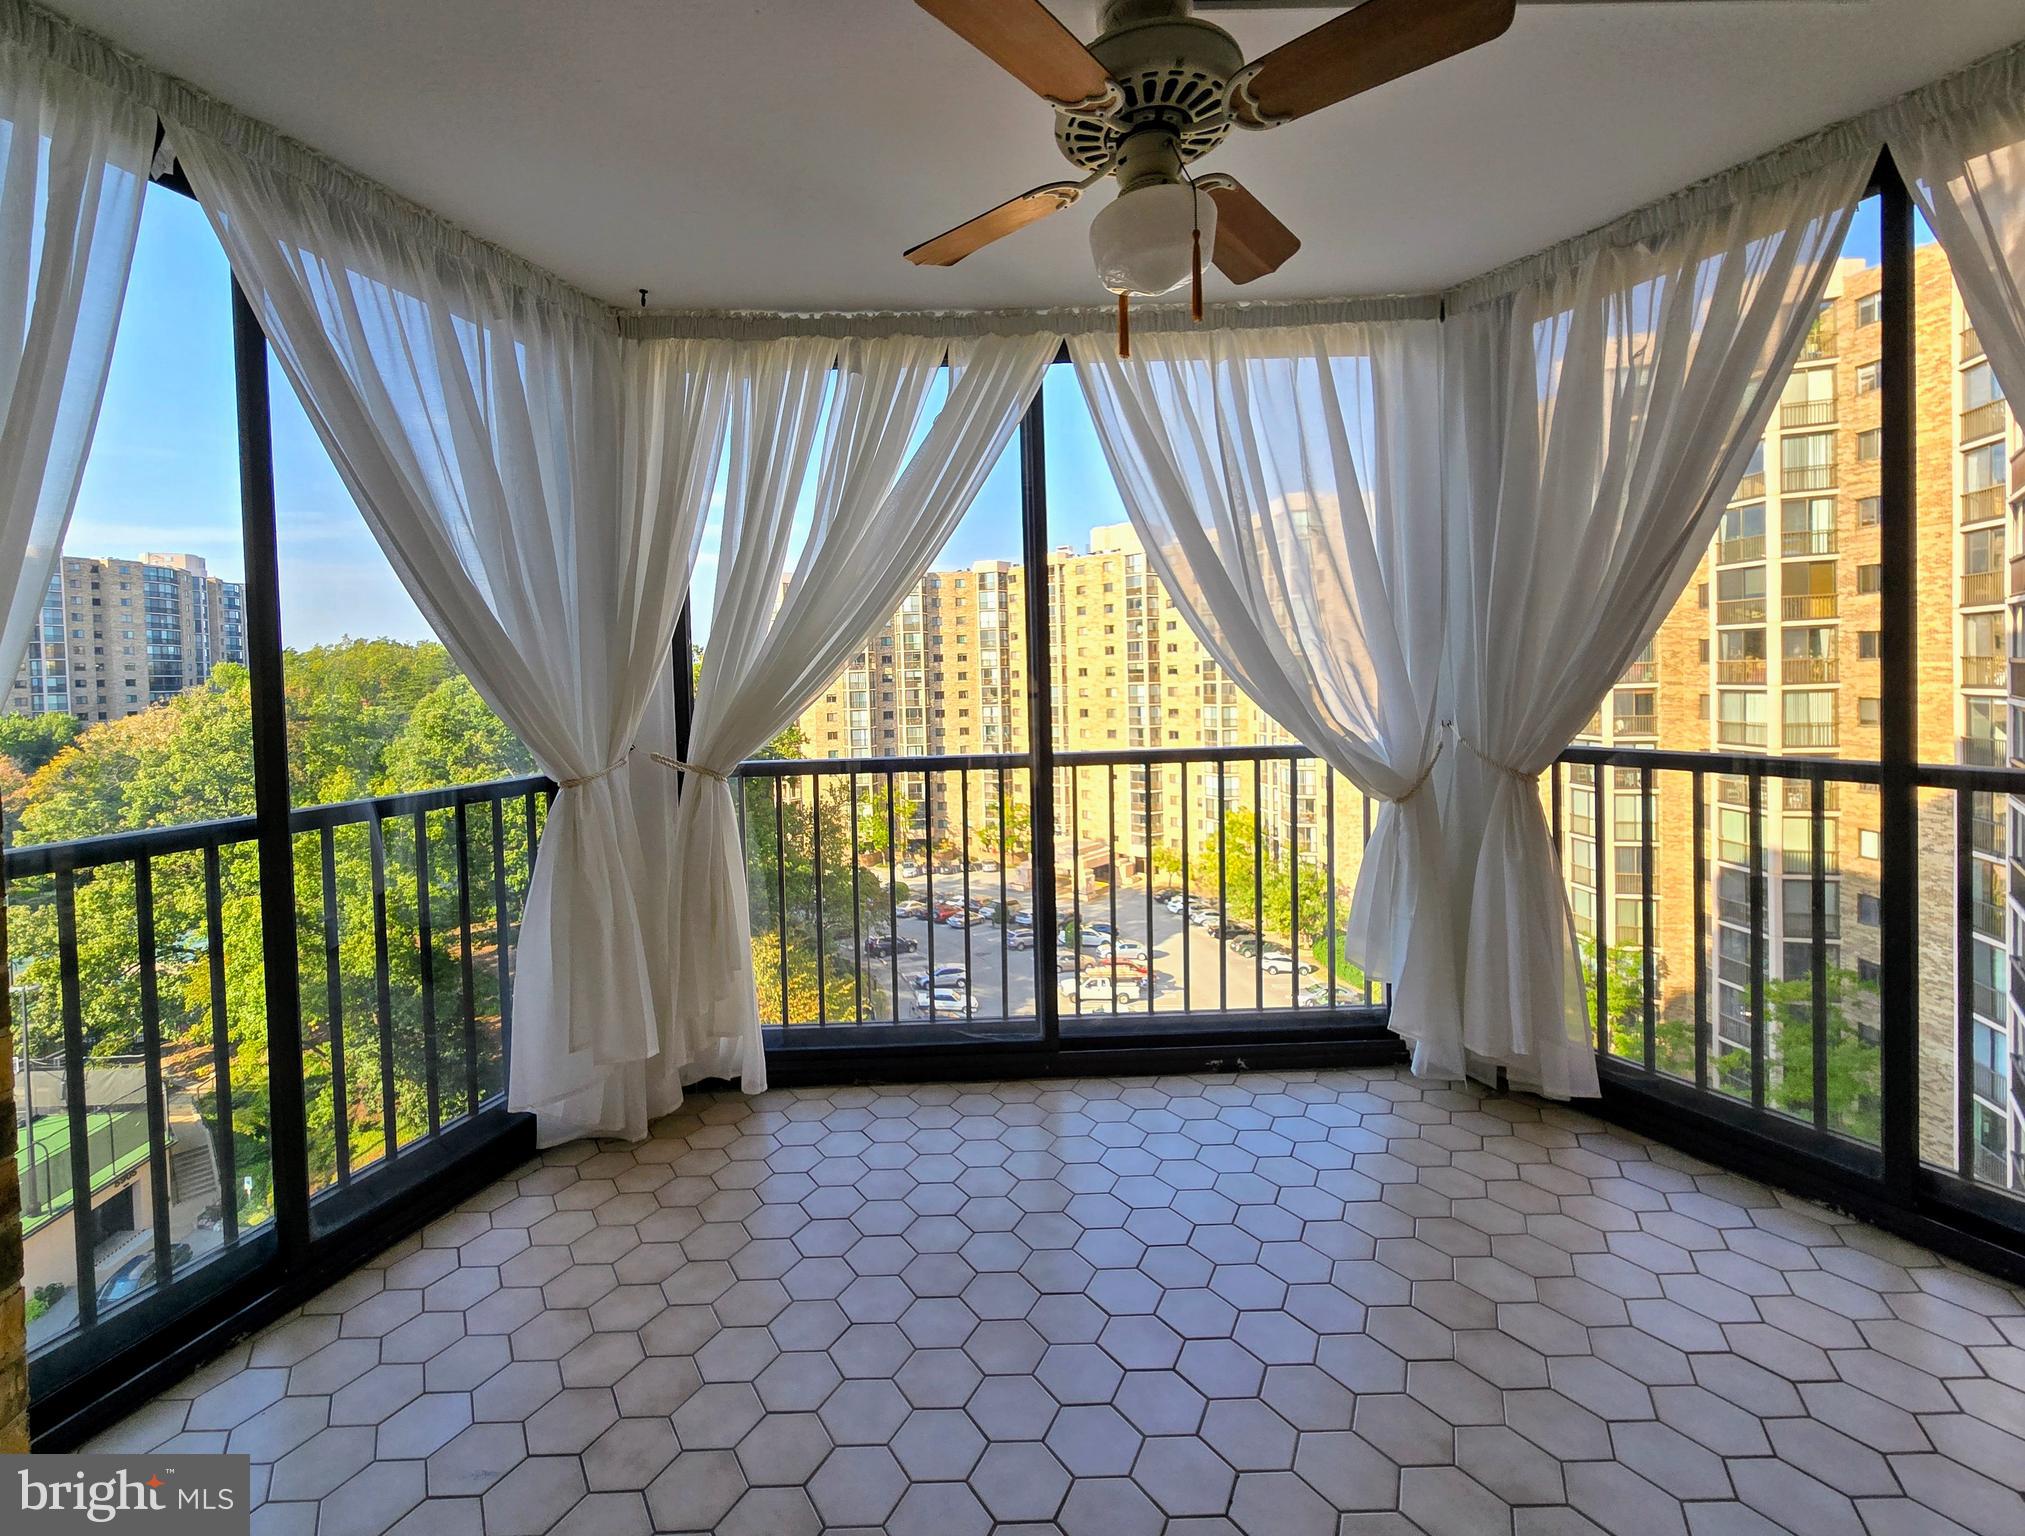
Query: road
x,y
1191,972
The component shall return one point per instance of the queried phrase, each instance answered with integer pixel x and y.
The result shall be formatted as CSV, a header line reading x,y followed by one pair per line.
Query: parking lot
x,y
1187,969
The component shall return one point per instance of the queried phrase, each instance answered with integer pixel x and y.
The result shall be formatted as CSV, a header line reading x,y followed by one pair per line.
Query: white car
x,y
1124,949
943,1002
1099,991
1175,904
941,978
1277,962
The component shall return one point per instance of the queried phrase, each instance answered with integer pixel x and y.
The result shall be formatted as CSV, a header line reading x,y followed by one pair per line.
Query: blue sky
x,y
163,473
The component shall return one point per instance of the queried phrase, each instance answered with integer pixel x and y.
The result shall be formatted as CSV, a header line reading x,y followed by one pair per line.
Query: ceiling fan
x,y
1158,89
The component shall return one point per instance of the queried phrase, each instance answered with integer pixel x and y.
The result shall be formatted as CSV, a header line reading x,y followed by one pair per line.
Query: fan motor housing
x,y
1174,73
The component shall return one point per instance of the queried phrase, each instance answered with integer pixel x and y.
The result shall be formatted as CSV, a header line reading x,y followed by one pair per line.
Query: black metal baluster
x,y
1701,917
1258,884
1605,893
1222,887
963,857
74,1093
1182,933
1146,873
1754,783
780,896
466,976
383,984
816,854
928,863
1294,887
857,910
334,1004
1965,970
1650,970
1111,838
1330,948
501,938
425,954
893,893
1005,913
1818,948
151,1064
221,1047
1076,880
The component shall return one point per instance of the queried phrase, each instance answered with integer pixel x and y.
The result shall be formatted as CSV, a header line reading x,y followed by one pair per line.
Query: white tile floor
x,y
1333,1303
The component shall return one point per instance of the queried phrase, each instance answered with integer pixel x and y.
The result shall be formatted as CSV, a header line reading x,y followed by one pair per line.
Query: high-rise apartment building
x,y
1775,649
118,635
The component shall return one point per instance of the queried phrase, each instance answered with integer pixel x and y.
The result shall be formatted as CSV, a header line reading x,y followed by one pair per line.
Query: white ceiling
x,y
780,154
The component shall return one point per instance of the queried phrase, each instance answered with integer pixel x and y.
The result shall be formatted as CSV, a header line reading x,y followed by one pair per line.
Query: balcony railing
x,y
1820,342
1807,669
1806,413
1808,735
1640,673
901,896
1982,589
1740,610
1972,344
1808,605
1987,420
1750,488
1981,751
1737,551
1807,541
1807,477
1641,724
141,1004
1748,669
1983,671
1983,506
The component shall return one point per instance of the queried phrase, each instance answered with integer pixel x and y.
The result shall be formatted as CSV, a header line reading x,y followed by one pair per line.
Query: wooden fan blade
x,y
952,245
1250,242
1024,39
1379,41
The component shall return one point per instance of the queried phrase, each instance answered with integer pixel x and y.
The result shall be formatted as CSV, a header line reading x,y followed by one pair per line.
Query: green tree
x,y
30,741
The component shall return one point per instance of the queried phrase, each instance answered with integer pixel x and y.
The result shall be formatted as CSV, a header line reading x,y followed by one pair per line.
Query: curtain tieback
x,y
591,778
681,767
1505,768
1425,774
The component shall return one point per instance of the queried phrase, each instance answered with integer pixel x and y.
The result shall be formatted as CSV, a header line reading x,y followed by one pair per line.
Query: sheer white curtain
x,y
1286,484
1961,146
540,490
73,170
1599,417
834,449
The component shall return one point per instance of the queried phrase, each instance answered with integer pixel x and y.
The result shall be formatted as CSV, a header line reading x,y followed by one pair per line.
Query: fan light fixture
x,y
1144,242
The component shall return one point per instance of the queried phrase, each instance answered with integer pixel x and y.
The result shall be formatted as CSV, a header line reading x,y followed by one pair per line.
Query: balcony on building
x,y
1985,505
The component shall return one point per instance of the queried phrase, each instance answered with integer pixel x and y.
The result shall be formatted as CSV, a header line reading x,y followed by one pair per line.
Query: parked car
x,y
1205,918
1020,938
1124,949
943,976
1243,943
1318,996
137,1274
915,909
880,946
1023,920
1277,962
986,866
943,1002
910,871
1177,903
958,919
1100,991
1094,965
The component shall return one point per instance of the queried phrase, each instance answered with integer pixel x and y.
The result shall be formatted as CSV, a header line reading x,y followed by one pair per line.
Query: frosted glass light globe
x,y
1142,242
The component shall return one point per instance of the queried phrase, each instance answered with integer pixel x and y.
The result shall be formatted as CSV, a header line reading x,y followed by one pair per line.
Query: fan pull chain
x,y
1124,326
1195,282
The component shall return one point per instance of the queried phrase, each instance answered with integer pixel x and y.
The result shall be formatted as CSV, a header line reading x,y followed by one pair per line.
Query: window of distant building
x,y
1870,309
